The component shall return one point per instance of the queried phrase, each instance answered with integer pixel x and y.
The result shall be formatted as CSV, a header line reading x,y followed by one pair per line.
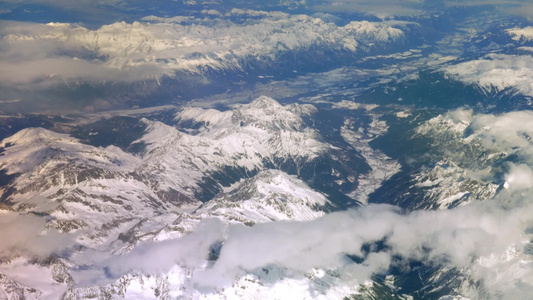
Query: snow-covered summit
x,y
33,151
271,195
263,112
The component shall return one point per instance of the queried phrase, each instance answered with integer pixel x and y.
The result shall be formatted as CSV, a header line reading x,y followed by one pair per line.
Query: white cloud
x,y
523,9
191,251
461,115
509,132
26,235
519,177
354,105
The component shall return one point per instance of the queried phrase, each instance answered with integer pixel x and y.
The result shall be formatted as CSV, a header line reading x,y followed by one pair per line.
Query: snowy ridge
x,y
518,33
157,46
447,185
115,215
34,146
269,196
263,113
20,280
497,72
43,160
90,191
459,178
10,289
109,201
85,187
249,137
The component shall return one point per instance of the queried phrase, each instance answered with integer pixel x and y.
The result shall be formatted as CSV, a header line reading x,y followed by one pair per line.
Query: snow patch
x,y
518,33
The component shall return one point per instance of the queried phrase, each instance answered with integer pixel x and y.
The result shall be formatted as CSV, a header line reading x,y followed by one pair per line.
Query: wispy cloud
x,y
511,132
26,235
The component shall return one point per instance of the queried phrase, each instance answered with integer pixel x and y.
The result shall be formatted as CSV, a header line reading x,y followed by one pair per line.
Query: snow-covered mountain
x,y
108,200
497,72
269,196
155,46
127,206
57,175
77,188
139,161
458,169
210,149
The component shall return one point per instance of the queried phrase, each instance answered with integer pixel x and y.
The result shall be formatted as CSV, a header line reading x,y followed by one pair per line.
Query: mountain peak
x,y
271,195
35,135
265,102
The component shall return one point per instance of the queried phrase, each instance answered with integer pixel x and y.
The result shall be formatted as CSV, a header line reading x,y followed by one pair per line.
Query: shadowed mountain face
x,y
266,150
